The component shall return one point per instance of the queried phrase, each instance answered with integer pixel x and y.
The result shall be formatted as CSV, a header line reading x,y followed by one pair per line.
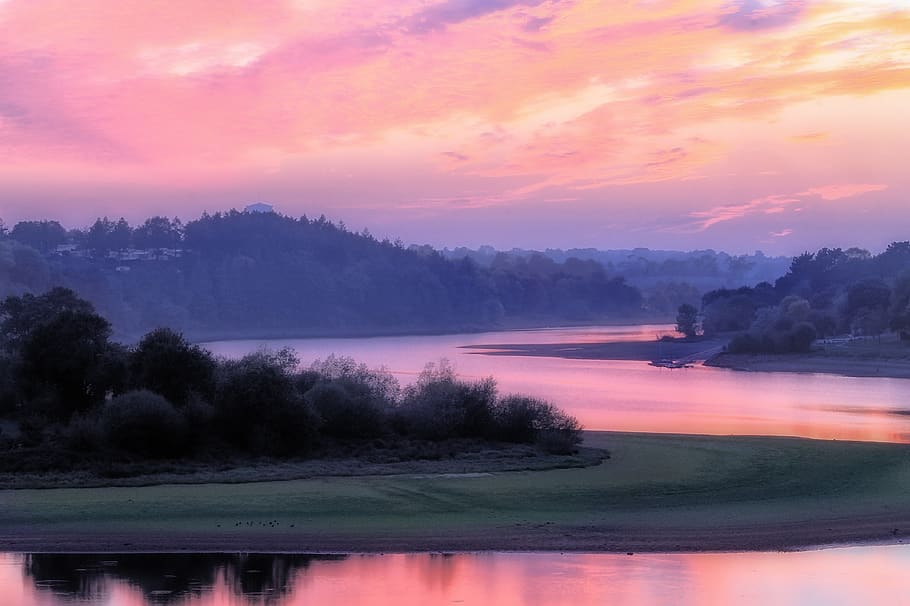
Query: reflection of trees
x,y
167,578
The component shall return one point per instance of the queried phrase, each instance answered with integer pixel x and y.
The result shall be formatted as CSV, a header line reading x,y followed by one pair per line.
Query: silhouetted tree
x,y
687,320
41,235
166,363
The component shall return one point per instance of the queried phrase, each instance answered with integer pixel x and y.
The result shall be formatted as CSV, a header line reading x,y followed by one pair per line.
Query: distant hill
x,y
263,273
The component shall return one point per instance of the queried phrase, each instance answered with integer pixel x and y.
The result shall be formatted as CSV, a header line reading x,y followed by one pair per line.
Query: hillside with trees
x,y
261,274
666,279
827,293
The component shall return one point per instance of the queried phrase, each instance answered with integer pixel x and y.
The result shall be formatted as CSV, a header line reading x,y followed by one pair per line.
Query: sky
x,y
735,124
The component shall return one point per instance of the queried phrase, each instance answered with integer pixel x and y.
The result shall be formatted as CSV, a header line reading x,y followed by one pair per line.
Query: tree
x,y
61,359
98,237
121,235
158,232
900,306
687,320
41,235
19,316
165,363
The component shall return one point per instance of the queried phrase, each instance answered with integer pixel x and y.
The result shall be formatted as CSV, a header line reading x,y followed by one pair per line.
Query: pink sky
x,y
738,125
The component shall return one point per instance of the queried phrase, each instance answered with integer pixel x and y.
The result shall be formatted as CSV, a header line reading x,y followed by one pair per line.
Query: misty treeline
x,y
70,388
665,278
259,274
827,293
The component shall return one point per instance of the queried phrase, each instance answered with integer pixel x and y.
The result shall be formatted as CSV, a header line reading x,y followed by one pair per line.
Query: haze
x,y
689,124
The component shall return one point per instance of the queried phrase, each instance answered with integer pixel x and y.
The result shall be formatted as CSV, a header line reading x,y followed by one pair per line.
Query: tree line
x,y
827,293
71,389
259,274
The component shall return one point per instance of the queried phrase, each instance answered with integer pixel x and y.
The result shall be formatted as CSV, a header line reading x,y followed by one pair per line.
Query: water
x,y
860,575
633,396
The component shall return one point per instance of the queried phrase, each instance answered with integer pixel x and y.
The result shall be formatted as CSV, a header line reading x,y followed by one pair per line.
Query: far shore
x,y
213,336
814,363
858,359
657,493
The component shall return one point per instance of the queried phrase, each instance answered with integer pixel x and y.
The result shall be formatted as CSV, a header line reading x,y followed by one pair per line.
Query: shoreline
x,y
814,363
891,363
203,337
825,534
658,493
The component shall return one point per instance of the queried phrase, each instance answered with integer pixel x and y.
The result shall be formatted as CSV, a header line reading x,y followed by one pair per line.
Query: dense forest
x,y
260,274
68,393
827,293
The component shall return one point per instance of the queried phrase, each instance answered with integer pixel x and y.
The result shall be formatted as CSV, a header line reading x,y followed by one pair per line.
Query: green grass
x,y
651,480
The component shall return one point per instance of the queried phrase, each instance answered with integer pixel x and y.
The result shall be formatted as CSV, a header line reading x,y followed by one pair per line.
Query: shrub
x,y
84,433
258,407
440,406
348,410
144,423
527,420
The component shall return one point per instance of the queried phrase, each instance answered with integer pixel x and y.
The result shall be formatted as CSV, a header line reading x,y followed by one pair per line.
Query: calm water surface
x,y
633,396
861,575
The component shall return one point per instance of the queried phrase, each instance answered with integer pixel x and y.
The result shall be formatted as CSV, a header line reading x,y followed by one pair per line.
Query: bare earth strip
x,y
656,493
816,363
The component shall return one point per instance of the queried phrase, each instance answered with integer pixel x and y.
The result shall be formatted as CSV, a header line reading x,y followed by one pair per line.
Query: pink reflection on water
x,y
859,575
626,395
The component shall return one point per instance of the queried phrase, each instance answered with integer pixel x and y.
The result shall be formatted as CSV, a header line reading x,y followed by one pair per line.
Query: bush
x,y
526,420
258,407
439,406
144,423
347,410
84,433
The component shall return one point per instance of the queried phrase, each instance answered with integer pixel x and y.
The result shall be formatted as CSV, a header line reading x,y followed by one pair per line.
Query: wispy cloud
x,y
774,204
843,190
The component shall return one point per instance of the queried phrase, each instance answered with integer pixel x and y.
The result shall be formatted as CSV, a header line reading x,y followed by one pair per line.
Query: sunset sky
x,y
738,125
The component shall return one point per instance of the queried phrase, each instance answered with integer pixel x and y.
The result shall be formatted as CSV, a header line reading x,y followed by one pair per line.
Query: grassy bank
x,y
656,493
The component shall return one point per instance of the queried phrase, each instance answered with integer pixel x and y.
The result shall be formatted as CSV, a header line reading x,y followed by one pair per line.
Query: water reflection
x,y
165,579
625,395
874,575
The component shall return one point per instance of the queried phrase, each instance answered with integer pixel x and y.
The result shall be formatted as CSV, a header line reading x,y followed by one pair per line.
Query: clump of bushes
x,y
70,388
144,423
780,329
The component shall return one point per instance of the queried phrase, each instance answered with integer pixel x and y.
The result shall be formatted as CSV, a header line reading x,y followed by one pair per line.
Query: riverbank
x,y
656,493
884,357
859,358
616,350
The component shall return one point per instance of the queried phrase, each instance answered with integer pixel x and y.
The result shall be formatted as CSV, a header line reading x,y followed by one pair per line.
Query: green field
x,y
656,492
